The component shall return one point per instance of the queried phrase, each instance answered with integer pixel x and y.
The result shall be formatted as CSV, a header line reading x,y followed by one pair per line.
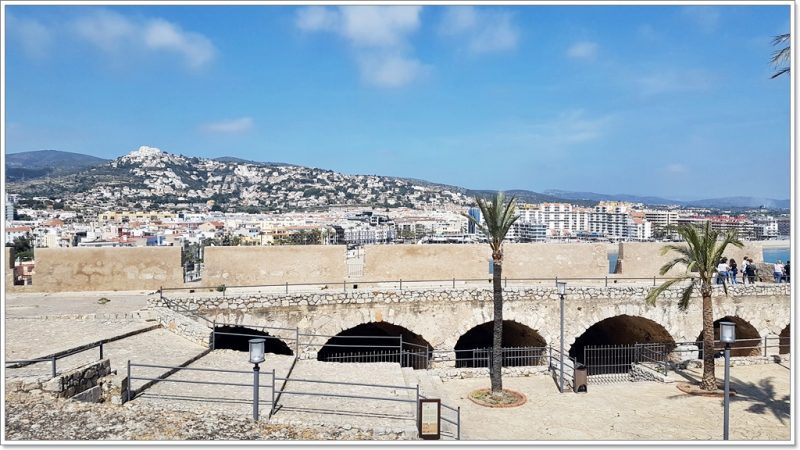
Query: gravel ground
x,y
35,417
631,411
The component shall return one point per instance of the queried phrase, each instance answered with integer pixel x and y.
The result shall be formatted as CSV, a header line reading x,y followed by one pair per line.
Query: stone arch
x,y
748,340
472,345
622,329
236,338
377,342
785,340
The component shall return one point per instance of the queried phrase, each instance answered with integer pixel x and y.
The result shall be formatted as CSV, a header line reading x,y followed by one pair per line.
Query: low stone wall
x,y
644,259
510,295
641,372
182,325
64,385
452,373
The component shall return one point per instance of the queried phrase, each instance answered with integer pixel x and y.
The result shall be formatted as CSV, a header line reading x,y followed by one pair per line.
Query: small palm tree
x,y
701,254
499,215
781,58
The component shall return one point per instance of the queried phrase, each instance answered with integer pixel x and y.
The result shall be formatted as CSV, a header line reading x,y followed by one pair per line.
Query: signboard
x,y
429,414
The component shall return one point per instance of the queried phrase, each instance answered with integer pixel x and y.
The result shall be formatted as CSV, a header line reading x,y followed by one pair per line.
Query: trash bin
x,y
581,378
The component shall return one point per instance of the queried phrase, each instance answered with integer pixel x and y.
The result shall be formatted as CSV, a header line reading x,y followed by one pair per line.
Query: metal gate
x,y
618,363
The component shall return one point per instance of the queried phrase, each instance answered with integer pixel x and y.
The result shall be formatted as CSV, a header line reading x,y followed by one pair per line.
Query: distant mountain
x,y
722,203
595,197
532,197
149,176
41,163
233,159
740,202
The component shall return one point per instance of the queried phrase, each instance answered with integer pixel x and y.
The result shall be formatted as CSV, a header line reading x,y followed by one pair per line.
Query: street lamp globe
x,y
562,287
727,332
257,350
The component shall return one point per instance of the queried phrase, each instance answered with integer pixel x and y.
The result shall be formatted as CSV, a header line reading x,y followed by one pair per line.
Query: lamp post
x,y
256,357
727,335
562,290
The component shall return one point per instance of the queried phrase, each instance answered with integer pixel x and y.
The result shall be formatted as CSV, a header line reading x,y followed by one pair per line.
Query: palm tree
x,y
498,216
781,58
701,254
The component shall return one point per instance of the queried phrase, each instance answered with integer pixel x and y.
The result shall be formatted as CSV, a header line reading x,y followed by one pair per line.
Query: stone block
x,y
91,395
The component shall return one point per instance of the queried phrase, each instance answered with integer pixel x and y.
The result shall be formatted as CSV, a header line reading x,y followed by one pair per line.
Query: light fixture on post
x,y
727,335
562,290
256,357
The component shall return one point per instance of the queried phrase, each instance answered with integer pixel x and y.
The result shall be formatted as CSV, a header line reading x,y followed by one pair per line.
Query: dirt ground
x,y
632,411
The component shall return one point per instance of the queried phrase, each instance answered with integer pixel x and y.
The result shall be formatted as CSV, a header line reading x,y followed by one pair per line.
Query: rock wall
x,y
425,262
540,260
245,266
78,269
64,385
644,259
182,325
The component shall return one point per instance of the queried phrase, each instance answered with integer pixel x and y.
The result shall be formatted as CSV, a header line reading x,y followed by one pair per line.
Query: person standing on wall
x,y
786,272
751,271
722,271
732,270
744,269
777,271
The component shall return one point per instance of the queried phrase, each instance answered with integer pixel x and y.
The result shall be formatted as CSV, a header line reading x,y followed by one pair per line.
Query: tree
x,y
499,215
701,254
781,58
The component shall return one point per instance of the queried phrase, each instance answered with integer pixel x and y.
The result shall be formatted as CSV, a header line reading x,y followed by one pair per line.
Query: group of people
x,y
781,271
727,271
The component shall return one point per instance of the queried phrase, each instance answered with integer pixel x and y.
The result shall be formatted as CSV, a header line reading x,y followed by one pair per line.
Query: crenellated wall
x,y
243,266
106,269
644,259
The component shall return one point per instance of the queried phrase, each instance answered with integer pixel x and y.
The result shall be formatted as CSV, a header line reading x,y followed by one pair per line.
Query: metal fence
x,y
53,360
512,357
613,363
554,362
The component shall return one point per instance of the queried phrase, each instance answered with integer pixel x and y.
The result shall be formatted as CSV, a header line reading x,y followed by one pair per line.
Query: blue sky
x,y
658,100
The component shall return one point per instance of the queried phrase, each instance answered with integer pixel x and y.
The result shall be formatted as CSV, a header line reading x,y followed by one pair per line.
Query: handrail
x,y
450,282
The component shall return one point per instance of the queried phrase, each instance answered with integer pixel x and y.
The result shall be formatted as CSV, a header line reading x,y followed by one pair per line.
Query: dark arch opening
x,y
622,330
522,346
377,342
748,341
239,338
784,339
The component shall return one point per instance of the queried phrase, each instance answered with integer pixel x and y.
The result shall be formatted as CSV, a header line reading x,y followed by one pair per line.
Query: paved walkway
x,y
44,304
631,411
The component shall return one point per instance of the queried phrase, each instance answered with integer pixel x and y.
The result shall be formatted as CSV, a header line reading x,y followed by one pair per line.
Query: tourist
x,y
732,270
777,271
722,271
744,269
751,271
786,272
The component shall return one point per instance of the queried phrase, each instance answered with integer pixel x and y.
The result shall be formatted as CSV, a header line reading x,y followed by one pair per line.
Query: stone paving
x,y
631,411
44,304
32,338
157,346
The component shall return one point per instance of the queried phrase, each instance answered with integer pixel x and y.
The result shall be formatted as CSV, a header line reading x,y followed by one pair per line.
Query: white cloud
x,y
115,33
583,50
705,17
32,35
674,81
484,30
390,71
676,169
239,125
379,36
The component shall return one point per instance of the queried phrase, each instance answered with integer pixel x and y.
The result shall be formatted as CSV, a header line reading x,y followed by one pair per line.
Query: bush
x,y
221,288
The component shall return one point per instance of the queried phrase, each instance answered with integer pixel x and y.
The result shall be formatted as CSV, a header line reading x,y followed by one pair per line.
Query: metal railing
x,y
18,363
132,393
653,354
554,367
610,363
400,284
512,357
745,347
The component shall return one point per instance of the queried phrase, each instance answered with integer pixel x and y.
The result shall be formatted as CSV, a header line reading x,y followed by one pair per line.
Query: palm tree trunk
x,y
709,382
496,370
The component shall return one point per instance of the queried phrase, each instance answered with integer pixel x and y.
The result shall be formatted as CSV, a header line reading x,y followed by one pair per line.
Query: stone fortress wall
x,y
148,268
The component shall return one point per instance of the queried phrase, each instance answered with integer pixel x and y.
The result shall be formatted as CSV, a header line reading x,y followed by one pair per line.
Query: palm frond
x,y
669,265
651,297
683,303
